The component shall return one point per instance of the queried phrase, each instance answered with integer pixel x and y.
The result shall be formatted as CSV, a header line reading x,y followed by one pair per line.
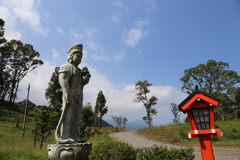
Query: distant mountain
x,y
136,124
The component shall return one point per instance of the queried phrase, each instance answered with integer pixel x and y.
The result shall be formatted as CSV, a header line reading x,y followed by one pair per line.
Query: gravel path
x,y
139,141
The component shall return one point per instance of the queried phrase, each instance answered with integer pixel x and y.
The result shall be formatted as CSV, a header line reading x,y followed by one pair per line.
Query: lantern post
x,y
199,107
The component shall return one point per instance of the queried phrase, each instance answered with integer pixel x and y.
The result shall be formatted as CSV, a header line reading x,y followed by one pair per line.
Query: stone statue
x,y
72,80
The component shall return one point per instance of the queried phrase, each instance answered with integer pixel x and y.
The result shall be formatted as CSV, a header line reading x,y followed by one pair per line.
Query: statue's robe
x,y
72,86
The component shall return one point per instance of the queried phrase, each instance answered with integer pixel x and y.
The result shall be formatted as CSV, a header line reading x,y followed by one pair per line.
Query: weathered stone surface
x,y
75,151
72,81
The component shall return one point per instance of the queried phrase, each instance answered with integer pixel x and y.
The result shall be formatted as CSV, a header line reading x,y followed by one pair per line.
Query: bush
x,y
113,150
163,153
116,150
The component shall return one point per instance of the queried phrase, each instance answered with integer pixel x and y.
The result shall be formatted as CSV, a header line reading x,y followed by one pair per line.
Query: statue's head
x,y
76,48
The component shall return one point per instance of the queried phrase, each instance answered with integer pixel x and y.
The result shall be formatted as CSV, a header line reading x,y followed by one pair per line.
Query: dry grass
x,y
178,134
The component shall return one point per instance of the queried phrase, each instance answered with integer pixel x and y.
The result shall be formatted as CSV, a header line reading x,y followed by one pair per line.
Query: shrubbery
x,y
163,153
116,150
113,150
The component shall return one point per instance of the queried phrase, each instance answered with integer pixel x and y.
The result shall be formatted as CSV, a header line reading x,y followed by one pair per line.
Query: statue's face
x,y
77,57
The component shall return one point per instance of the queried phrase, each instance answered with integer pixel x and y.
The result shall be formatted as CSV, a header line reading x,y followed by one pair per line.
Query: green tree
x,y
175,112
224,111
124,122
86,121
100,109
237,103
4,55
210,77
45,120
54,92
21,105
16,60
214,78
22,60
141,97
119,121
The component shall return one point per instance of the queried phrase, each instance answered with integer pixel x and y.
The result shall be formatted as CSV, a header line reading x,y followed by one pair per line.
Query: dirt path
x,y
139,141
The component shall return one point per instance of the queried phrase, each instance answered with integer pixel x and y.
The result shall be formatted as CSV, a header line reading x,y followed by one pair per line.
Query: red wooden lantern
x,y
199,107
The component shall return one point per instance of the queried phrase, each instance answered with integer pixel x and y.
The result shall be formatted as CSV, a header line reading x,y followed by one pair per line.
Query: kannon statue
x,y
72,80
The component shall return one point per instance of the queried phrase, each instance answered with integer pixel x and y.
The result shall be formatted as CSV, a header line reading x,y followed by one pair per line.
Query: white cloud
x,y
118,4
38,80
92,45
72,18
55,57
133,36
39,2
99,58
10,24
141,23
60,30
90,32
118,56
150,4
75,36
119,97
115,19
24,11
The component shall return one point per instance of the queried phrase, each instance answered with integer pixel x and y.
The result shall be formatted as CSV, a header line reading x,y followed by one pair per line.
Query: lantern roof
x,y
197,94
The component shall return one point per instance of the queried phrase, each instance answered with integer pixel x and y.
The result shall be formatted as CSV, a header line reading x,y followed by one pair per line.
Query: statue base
x,y
74,151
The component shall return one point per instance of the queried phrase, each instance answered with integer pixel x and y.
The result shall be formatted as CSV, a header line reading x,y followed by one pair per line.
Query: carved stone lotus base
x,y
74,151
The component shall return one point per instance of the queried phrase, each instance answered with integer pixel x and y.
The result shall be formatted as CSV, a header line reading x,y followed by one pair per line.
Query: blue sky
x,y
125,41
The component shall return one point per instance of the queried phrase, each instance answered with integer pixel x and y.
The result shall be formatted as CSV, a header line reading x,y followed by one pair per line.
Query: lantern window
x,y
201,117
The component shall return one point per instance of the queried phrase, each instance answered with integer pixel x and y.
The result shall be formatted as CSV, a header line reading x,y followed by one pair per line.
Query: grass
x,y
15,147
178,134
103,136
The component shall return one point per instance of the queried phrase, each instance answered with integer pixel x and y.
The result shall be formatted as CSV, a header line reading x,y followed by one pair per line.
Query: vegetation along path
x,y
139,141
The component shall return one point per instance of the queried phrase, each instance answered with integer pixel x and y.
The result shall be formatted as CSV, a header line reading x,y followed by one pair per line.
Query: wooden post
x,y
24,119
206,147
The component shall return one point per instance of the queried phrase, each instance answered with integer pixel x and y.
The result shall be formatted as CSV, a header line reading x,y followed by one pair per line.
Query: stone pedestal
x,y
74,151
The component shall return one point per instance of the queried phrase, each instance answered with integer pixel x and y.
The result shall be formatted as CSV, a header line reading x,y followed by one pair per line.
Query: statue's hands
x,y
85,71
86,74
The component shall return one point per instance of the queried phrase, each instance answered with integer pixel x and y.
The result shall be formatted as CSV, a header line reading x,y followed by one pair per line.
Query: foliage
x,y
141,96
16,61
54,92
22,105
3,60
117,150
112,150
212,77
45,120
86,120
21,61
100,109
175,112
163,153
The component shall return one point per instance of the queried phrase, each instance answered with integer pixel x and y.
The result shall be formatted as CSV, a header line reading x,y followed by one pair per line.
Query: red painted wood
x,y
206,147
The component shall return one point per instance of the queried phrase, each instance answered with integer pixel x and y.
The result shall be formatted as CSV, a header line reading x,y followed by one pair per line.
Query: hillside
x,y
14,113
178,134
